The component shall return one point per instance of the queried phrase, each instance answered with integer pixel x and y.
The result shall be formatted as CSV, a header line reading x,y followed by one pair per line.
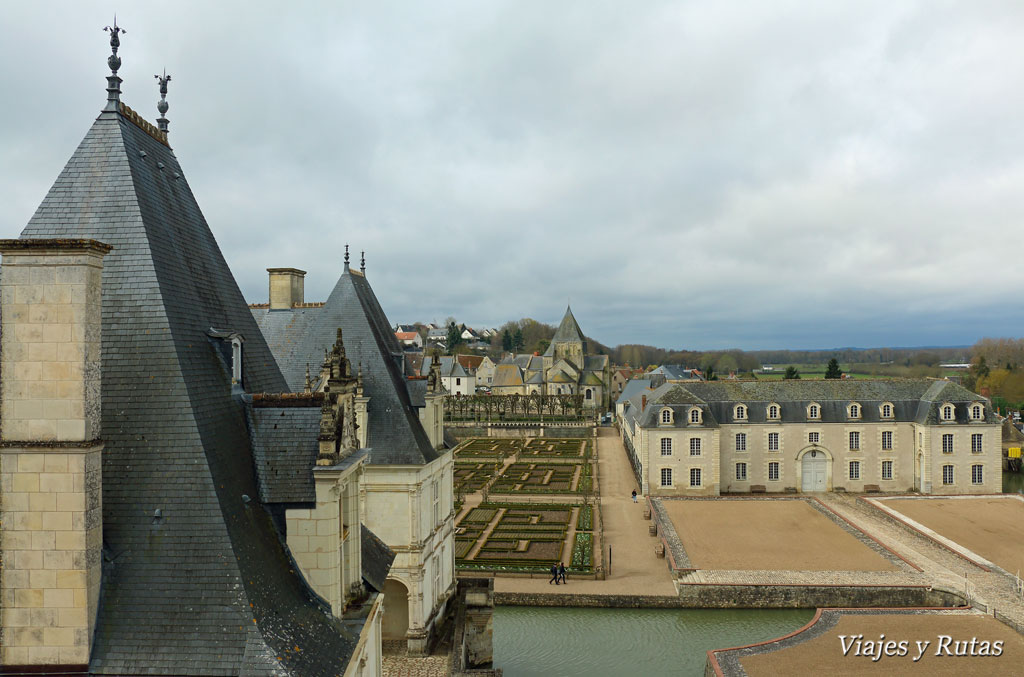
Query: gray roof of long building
x,y
208,588
285,446
637,385
394,432
916,400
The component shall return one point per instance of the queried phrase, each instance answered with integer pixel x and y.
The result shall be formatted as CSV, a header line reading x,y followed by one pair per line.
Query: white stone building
x,y
703,439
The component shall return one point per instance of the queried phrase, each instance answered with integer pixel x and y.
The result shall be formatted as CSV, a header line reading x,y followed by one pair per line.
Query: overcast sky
x,y
688,174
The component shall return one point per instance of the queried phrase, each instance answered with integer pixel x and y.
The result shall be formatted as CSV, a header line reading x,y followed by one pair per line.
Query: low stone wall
x,y
463,431
749,597
810,596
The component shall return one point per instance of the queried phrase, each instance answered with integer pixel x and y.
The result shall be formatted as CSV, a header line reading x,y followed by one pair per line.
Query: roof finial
x,y
346,258
114,61
362,262
161,105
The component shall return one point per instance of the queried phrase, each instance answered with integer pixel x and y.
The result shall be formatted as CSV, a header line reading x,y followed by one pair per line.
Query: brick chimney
x,y
287,287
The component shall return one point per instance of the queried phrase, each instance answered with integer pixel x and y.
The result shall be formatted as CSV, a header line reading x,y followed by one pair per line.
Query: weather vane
x,y
362,262
114,61
346,256
161,105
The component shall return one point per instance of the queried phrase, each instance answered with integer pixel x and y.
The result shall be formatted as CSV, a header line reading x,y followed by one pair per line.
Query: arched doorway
x,y
396,610
814,471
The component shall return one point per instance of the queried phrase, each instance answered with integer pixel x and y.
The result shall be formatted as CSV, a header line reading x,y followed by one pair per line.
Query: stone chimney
x,y
50,460
287,287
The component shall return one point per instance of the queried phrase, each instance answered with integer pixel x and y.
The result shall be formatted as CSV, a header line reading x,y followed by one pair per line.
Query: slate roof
x,y
377,559
568,332
284,444
676,372
449,366
394,432
207,588
916,400
637,385
507,375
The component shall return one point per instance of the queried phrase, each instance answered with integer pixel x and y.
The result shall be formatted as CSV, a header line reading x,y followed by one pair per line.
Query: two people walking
x,y
557,574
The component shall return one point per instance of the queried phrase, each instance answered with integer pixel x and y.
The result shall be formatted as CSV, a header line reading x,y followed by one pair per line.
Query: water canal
x,y
536,641
1013,483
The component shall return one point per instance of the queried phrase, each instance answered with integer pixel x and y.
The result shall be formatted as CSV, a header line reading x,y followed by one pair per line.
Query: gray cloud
x,y
689,174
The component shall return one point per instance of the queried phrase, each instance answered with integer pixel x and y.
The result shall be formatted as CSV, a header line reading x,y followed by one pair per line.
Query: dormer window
x,y
740,413
947,412
695,415
853,411
774,412
886,410
666,416
236,360
977,412
814,412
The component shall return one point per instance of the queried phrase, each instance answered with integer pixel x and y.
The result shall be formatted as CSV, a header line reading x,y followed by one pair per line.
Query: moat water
x,y
545,641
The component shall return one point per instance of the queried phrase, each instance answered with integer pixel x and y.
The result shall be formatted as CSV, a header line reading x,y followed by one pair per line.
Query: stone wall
x,y
749,597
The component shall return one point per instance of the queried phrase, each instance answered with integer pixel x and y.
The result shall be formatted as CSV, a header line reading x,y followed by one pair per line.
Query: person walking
x,y
554,574
561,572
634,495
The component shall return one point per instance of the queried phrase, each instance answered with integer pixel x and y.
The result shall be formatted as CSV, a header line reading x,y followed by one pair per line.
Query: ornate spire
x,y
346,258
309,383
161,105
362,262
114,61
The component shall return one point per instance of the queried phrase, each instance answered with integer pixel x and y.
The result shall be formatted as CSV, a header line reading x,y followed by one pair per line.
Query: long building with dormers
x,y
711,438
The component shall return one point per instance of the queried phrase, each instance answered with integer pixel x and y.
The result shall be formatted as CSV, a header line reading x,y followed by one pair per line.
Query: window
x,y
977,474
666,477
773,412
886,410
854,411
854,441
666,415
854,470
741,412
695,416
947,444
976,446
814,411
236,360
437,504
694,477
741,472
947,412
886,470
814,438
590,394
741,441
666,446
694,446
947,474
920,439
773,441
887,440
773,471
977,411
458,381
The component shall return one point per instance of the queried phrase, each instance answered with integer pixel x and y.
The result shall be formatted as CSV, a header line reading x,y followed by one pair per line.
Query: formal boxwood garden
x,y
523,537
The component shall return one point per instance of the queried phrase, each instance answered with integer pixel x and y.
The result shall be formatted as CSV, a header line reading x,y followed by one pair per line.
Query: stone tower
x,y
50,458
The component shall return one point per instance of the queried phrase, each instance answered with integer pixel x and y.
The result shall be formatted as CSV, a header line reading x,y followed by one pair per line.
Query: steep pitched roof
x,y
207,588
568,331
394,432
